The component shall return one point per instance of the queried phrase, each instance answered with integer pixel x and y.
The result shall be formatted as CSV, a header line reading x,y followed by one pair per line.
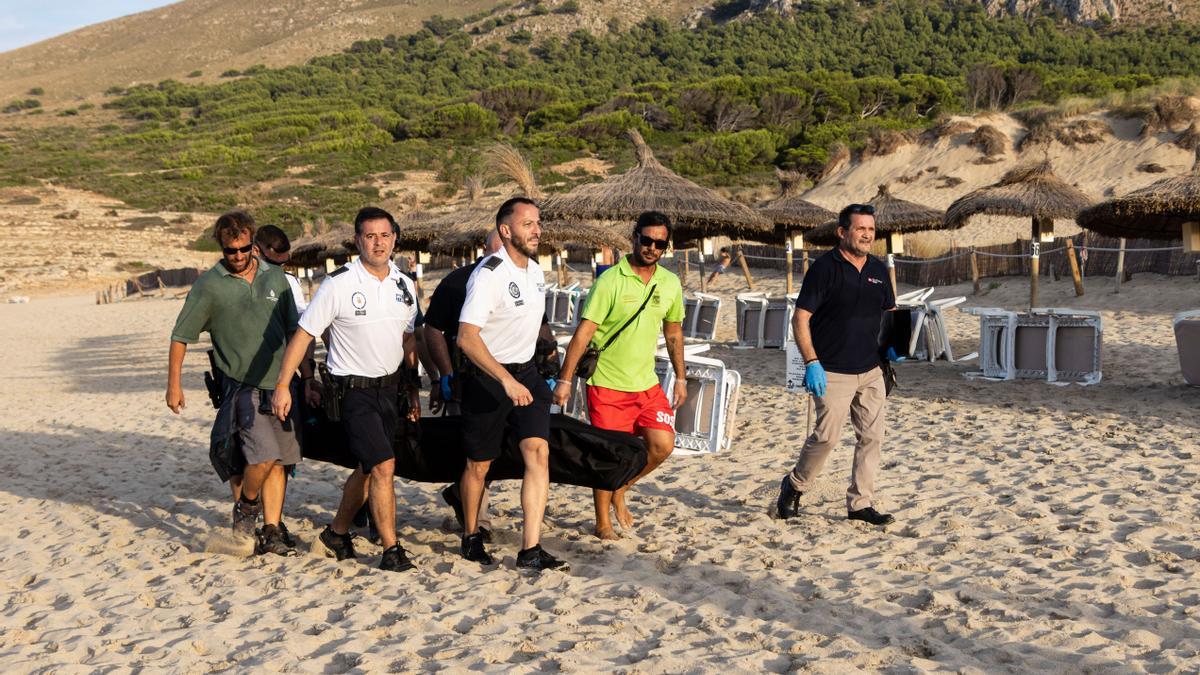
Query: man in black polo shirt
x,y
836,324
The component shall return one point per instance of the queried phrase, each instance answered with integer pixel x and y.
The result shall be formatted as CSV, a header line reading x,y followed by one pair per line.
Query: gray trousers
x,y
863,397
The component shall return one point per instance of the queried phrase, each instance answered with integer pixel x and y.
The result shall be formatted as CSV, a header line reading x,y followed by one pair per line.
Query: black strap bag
x,y
591,357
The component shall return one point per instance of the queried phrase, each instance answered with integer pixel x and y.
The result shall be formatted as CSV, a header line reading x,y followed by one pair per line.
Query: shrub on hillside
x,y
730,154
462,121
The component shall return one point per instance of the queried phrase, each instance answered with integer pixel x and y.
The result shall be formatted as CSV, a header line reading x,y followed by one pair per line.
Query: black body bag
x,y
432,452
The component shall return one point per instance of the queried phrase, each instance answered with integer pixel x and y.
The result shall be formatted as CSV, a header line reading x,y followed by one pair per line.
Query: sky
x,y
24,22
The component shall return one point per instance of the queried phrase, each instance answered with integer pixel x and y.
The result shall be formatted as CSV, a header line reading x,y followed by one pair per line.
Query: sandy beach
x,y
1039,527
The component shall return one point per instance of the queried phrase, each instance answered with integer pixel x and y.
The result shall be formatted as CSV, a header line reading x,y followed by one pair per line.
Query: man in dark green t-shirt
x,y
624,393
245,304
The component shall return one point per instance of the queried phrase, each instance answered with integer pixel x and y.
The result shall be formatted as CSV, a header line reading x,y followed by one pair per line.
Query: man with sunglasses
x,y
245,305
624,393
837,323
272,244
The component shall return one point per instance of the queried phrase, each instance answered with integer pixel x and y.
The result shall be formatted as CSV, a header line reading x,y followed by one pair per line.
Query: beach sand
x,y
1039,527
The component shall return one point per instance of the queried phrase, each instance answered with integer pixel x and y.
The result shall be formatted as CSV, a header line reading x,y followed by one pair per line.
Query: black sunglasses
x,y
660,244
229,250
861,209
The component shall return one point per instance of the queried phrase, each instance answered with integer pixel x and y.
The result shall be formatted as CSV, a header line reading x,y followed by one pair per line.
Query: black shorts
x,y
370,417
487,410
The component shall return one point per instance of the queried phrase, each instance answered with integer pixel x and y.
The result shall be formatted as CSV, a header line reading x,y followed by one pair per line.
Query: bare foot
x,y
607,534
620,511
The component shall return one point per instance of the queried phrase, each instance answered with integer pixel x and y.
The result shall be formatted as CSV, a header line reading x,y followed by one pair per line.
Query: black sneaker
x,y
537,559
473,550
340,545
451,497
787,504
270,540
395,560
286,536
485,533
245,516
870,515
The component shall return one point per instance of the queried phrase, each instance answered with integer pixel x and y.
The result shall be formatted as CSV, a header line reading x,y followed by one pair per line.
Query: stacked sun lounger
x,y
919,327
700,316
1187,340
564,304
763,321
1045,343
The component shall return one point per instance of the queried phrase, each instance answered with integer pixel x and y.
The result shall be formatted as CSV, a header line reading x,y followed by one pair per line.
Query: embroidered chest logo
x,y
360,303
873,280
513,289
271,295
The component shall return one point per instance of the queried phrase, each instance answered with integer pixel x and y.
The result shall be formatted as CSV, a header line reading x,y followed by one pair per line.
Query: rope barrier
x,y
1133,250
923,261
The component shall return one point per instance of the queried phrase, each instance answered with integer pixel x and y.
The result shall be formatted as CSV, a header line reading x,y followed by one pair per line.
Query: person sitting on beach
x,y
838,313
370,310
723,262
245,305
624,393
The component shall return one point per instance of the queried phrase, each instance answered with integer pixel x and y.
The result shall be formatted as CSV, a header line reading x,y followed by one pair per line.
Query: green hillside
x,y
723,103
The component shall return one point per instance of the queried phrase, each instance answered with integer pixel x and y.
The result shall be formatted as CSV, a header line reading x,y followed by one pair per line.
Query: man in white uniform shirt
x,y
273,244
498,331
370,310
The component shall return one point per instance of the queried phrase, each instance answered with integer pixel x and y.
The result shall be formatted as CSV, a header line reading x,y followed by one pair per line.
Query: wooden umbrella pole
x,y
1120,265
788,257
1035,254
745,269
1076,277
681,265
975,270
803,264
891,263
703,281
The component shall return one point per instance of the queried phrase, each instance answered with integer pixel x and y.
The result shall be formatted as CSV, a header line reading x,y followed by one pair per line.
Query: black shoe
x,y
395,560
340,545
536,559
286,536
245,516
453,500
787,505
270,540
473,550
485,533
870,515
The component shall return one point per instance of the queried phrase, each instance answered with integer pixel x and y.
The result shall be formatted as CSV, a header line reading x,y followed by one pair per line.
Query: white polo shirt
x,y
297,292
507,303
367,319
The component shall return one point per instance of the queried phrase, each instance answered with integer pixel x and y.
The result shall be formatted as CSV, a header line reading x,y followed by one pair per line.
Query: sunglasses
x,y
861,209
660,244
229,250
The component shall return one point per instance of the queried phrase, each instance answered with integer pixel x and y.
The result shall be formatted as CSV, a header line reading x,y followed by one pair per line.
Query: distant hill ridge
x,y
212,36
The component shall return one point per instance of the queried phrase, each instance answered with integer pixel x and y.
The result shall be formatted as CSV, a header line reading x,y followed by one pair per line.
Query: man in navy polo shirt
x,y
836,324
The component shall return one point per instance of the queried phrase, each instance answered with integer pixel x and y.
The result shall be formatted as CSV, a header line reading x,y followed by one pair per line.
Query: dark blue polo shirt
x,y
847,307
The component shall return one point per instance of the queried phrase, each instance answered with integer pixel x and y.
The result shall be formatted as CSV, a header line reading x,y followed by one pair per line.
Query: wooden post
x,y
1120,265
975,270
803,263
1076,277
1035,248
745,269
681,265
162,288
788,258
891,261
686,267
703,279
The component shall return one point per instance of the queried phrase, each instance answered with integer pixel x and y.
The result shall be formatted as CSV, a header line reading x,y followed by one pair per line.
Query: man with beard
x,y
370,310
498,330
624,393
836,324
246,306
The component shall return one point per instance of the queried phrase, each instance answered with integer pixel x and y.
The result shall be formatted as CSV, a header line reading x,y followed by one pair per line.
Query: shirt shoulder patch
x,y
341,270
492,262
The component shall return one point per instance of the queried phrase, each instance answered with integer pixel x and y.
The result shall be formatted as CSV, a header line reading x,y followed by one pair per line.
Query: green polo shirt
x,y
249,323
628,363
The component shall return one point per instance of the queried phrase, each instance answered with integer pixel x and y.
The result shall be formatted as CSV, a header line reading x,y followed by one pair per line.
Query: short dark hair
x,y
373,213
652,219
270,236
854,210
506,209
231,224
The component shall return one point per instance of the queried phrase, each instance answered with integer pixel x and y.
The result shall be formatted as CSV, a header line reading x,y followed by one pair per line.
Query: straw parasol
x,y
791,213
312,250
1166,209
694,211
1030,190
894,217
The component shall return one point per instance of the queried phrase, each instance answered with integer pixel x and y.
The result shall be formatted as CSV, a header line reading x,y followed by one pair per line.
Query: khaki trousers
x,y
863,397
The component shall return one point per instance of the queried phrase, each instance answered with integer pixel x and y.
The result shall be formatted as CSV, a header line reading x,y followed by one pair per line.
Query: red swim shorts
x,y
630,410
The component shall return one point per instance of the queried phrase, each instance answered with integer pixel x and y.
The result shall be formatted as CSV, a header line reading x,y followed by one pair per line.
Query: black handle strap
x,y
612,337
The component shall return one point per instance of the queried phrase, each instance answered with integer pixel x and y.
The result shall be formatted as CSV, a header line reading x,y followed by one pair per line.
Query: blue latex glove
x,y
814,378
893,356
551,382
447,395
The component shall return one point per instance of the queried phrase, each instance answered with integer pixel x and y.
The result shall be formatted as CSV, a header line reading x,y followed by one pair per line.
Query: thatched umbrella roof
x,y
649,186
892,216
1030,190
468,229
1156,211
313,250
789,212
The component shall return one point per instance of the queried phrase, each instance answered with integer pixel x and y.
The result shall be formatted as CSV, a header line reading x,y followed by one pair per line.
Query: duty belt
x,y
360,382
515,368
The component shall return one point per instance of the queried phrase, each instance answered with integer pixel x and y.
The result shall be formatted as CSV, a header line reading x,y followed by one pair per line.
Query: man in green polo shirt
x,y
624,394
245,304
